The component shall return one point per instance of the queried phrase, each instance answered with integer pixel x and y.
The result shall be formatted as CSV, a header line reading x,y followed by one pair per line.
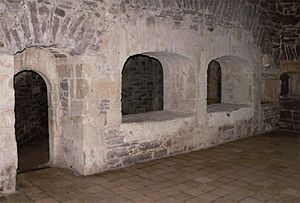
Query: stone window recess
x,y
290,84
214,83
142,85
157,86
229,84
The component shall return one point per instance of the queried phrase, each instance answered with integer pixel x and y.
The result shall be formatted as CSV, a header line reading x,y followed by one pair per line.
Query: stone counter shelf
x,y
154,116
226,114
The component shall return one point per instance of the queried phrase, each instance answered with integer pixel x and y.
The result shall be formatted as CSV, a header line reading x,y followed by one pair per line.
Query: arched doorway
x,y
31,120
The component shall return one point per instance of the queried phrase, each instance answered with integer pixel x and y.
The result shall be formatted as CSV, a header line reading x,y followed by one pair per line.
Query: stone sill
x,y
230,115
155,116
290,97
268,104
225,107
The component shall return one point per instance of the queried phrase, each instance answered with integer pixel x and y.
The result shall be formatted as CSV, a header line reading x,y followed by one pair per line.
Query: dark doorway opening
x,y
289,102
142,85
31,121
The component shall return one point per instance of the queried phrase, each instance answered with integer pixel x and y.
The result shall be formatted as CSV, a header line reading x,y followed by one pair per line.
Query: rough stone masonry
x,y
79,48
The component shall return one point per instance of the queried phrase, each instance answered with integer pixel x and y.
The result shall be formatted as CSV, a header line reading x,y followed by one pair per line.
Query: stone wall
x,y
230,125
8,145
289,35
129,145
281,30
83,46
142,85
290,113
289,103
270,115
270,97
31,106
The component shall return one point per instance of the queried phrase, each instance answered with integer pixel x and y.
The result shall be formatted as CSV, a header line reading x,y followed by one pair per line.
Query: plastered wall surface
x,y
80,49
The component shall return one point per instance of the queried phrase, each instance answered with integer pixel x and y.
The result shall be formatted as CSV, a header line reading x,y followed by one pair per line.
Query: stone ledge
x,y
154,116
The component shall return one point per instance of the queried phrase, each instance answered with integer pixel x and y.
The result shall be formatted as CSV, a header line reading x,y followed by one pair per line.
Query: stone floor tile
x,y
197,200
105,194
73,201
95,189
203,179
120,190
210,196
235,196
47,200
139,199
250,200
182,196
223,200
118,199
293,192
168,200
205,187
37,196
169,191
19,198
156,196
245,192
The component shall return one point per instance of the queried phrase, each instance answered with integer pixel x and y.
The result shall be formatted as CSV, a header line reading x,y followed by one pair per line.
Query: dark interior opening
x,y
142,85
290,84
214,83
289,102
284,84
31,121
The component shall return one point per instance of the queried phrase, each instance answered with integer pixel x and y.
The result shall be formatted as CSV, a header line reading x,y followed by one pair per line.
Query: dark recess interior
x,y
31,121
214,84
142,85
289,102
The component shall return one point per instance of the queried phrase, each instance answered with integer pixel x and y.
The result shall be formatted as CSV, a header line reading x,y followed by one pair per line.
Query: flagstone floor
x,y
263,168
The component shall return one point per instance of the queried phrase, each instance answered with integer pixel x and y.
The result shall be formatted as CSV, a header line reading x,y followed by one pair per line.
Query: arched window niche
x,y
142,85
157,86
229,84
214,83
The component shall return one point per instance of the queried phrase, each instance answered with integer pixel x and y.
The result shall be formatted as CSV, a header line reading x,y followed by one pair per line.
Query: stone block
x,y
64,70
161,153
82,88
137,158
145,146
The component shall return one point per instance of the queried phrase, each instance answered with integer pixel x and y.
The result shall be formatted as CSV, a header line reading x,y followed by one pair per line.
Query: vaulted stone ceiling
x,y
77,26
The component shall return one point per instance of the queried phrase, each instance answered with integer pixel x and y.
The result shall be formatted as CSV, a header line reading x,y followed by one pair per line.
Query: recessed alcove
x,y
31,120
290,84
229,84
142,85
157,86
